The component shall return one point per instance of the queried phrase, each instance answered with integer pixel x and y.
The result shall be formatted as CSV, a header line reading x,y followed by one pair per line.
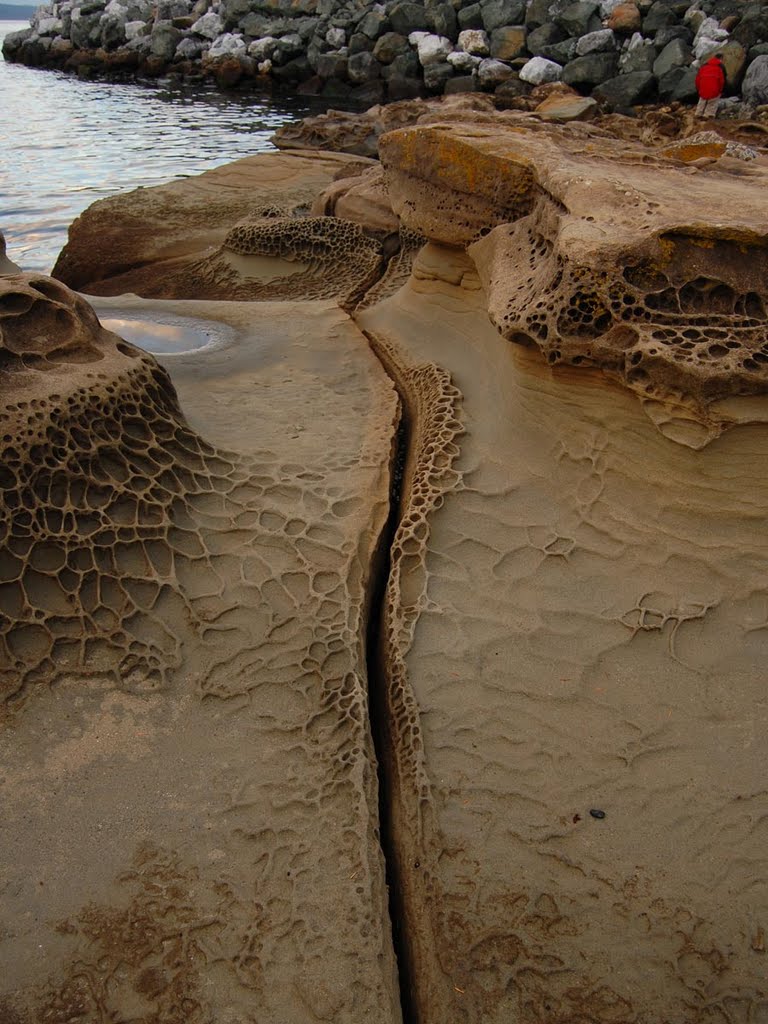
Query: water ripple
x,y
65,143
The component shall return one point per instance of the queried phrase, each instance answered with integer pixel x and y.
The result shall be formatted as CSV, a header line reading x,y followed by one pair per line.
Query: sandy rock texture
x,y
112,244
190,826
596,251
573,643
493,499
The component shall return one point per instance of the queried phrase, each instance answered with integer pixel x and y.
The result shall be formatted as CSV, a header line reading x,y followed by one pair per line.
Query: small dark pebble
x,y
596,813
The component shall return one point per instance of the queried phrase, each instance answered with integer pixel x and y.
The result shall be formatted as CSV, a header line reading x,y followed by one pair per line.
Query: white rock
x,y
135,30
638,39
708,38
493,72
227,45
49,26
462,61
539,70
265,67
474,41
262,49
415,37
433,49
335,37
209,26
116,7
189,48
596,42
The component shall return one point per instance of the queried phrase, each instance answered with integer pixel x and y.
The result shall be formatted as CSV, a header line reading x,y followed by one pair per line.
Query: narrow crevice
x,y
378,712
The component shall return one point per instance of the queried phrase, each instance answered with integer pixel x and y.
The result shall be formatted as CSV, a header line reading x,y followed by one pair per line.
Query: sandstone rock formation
x,y
604,262
189,788
558,635
169,226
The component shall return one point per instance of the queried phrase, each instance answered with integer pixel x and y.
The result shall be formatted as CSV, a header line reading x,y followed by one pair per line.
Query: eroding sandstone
x,y
571,653
600,253
189,789
137,242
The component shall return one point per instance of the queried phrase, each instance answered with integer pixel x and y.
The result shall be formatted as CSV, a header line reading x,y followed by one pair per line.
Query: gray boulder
x,y
373,23
666,35
659,16
543,36
436,75
85,32
332,65
579,18
601,41
112,31
359,43
189,48
167,10
363,67
231,11
627,90
462,62
445,22
406,66
471,17
561,53
754,88
639,58
406,18
590,70
461,84
539,70
287,48
389,46
542,12
164,40
209,26
498,13
492,72
676,54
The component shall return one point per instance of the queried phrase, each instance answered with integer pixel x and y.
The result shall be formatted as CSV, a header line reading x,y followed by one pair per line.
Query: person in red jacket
x,y
710,82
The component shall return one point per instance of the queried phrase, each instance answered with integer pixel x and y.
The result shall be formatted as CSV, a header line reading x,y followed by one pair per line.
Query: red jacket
x,y
710,79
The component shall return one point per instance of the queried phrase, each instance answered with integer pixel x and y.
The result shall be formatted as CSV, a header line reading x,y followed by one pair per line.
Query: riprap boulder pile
x,y
620,52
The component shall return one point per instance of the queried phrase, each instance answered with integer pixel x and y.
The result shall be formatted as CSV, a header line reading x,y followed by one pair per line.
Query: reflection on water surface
x,y
66,143
166,335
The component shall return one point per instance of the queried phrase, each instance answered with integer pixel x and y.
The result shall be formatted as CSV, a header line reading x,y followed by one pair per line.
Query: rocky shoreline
x,y
397,654
621,53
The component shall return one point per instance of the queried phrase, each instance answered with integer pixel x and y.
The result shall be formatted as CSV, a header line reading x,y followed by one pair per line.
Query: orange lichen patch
x,y
695,151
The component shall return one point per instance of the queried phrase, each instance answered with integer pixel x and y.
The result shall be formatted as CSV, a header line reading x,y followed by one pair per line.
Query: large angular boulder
x,y
498,13
590,70
754,88
508,43
625,91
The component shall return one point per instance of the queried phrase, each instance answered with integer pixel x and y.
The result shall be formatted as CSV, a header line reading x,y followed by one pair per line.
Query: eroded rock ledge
x,y
573,626
604,253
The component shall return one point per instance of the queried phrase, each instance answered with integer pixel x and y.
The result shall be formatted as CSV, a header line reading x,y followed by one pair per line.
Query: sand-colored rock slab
x,y
577,704
126,242
603,253
190,827
358,133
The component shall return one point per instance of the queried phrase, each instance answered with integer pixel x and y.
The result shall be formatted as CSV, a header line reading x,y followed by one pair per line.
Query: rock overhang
x,y
603,252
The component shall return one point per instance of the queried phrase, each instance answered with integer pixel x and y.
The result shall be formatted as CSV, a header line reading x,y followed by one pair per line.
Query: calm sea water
x,y
65,143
